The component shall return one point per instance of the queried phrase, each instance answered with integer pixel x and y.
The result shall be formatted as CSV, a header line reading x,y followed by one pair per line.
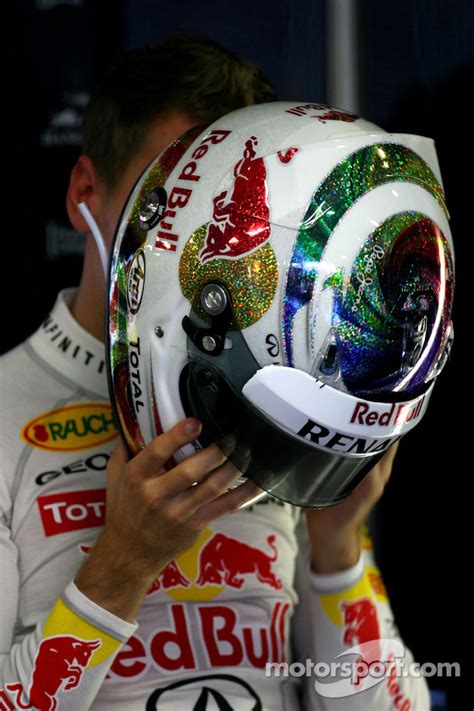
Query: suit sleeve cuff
x,y
334,582
96,615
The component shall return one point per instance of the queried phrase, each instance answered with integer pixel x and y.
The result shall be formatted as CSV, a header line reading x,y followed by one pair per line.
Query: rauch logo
x,y
71,428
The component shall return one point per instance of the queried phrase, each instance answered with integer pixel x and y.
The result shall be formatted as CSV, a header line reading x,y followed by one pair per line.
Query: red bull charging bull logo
x,y
361,625
216,561
354,611
170,577
59,665
226,560
236,242
360,622
240,220
216,566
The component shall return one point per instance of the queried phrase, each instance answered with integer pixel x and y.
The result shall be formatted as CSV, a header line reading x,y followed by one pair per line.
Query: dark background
x,y
416,76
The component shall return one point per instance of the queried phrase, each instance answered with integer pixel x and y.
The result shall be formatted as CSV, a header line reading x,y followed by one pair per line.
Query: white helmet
x,y
285,275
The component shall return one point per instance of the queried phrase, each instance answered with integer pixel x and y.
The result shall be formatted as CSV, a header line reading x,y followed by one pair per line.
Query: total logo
x,y
71,428
71,511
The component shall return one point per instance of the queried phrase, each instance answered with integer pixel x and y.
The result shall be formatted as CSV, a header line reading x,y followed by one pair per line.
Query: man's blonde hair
x,y
189,73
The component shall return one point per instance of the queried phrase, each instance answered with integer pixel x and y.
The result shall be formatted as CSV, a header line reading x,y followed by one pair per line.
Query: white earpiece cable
x,y
97,234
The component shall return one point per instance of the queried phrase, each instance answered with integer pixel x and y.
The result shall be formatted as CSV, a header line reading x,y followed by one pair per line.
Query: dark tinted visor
x,y
279,462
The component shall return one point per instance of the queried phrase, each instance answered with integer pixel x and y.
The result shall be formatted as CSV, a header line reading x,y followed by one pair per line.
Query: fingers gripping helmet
x,y
286,275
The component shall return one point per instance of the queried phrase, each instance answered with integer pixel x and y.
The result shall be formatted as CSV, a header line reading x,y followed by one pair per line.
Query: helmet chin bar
x,y
277,460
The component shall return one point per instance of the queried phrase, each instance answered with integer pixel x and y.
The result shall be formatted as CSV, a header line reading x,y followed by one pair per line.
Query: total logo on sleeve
x,y
71,428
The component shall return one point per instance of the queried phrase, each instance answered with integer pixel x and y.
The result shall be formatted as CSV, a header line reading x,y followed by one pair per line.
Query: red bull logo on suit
x,y
361,625
217,561
59,665
218,564
220,561
210,631
224,560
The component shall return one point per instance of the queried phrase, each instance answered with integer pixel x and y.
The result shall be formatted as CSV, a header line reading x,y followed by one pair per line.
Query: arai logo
x,y
71,428
136,281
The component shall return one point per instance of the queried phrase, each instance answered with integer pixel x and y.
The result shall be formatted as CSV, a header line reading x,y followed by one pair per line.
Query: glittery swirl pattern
x,y
357,174
392,312
119,317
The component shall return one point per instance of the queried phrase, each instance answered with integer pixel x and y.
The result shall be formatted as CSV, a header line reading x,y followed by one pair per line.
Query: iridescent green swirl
x,y
401,278
356,175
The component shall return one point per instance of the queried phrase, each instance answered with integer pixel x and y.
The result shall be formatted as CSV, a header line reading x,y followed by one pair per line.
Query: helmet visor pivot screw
x,y
213,299
209,343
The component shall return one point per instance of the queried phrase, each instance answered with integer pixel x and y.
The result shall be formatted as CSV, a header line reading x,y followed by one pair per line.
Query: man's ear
x,y
83,187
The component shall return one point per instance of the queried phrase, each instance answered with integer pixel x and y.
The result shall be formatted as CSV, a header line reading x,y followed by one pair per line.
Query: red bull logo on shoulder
x,y
360,621
59,665
361,625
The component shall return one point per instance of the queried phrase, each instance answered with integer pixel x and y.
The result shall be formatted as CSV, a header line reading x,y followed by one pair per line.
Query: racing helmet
x,y
285,275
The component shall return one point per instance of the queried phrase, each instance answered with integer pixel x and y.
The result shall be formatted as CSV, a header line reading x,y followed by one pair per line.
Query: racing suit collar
x,y
63,345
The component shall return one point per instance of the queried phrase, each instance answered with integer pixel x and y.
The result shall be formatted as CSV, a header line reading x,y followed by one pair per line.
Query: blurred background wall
x,y
407,66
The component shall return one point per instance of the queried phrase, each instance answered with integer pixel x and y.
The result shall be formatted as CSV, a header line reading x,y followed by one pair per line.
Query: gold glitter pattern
x,y
252,280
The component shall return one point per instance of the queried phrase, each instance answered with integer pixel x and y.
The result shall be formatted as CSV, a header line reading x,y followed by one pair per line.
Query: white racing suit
x,y
242,597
